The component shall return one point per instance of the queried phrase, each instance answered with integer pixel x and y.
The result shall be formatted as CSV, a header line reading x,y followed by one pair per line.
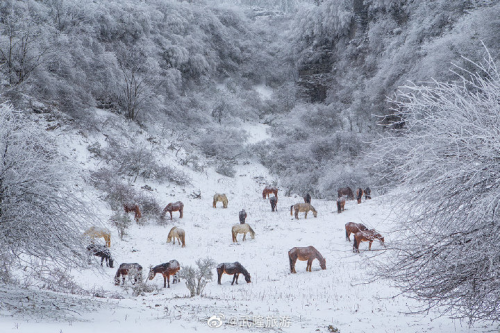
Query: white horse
x,y
179,234
242,229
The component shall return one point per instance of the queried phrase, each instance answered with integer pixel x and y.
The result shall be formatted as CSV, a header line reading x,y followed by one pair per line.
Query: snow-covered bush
x,y
445,160
197,278
38,201
121,221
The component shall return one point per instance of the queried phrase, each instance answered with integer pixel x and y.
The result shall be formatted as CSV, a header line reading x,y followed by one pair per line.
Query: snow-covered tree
x,y
41,215
446,161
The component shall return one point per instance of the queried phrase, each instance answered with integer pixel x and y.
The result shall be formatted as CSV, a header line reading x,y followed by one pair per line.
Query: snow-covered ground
x,y
275,300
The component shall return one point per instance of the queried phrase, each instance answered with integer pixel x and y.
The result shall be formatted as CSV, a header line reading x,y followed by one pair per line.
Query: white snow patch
x,y
256,132
264,92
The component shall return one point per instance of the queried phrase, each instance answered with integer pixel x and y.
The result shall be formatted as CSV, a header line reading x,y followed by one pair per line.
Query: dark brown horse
x,y
274,203
305,253
366,236
234,269
242,216
368,193
173,207
359,195
268,190
353,228
340,204
347,192
133,208
101,251
134,271
166,269
307,198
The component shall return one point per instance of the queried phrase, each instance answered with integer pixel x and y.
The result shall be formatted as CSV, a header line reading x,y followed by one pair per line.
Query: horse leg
x,y
244,236
305,216
165,282
347,235
370,245
309,265
219,275
296,214
102,258
168,280
292,265
170,214
180,211
237,276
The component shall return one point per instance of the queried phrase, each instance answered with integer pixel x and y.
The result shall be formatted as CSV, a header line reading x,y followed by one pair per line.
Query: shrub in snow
x,y
197,278
445,159
226,169
121,221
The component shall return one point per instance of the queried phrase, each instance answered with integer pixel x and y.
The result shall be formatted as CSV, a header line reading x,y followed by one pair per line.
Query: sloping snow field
x,y
275,300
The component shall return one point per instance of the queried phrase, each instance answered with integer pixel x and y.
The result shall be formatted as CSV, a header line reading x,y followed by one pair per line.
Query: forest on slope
x,y
178,65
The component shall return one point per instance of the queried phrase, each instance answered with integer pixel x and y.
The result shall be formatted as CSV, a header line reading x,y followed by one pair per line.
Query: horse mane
x,y
182,236
252,233
243,270
312,208
316,252
171,233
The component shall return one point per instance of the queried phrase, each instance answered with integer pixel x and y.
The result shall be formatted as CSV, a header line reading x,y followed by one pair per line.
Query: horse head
x,y
151,272
322,263
247,278
315,213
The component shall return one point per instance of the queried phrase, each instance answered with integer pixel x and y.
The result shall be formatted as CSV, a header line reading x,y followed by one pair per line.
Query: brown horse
x,y
368,193
307,198
340,204
97,232
366,236
305,253
359,195
173,207
234,269
268,190
347,192
242,216
274,203
177,233
133,208
166,269
302,207
220,197
134,271
353,228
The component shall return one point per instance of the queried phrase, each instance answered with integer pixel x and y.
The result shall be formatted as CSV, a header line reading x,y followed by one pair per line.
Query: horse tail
x,y
252,233
355,246
346,233
291,210
291,260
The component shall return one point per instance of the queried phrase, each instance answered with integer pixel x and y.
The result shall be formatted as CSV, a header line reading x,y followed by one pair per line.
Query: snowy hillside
x,y
275,299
